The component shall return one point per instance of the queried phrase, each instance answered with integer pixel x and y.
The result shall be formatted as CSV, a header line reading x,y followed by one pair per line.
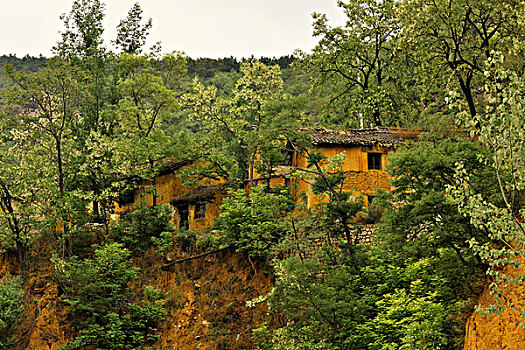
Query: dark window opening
x,y
126,197
184,222
200,210
374,161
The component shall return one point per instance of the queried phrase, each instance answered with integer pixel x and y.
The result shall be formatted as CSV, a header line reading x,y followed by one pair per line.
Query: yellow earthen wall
x,y
498,332
169,187
212,212
358,178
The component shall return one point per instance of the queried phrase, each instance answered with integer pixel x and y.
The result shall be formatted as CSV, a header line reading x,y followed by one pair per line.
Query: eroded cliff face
x,y
43,324
205,302
498,332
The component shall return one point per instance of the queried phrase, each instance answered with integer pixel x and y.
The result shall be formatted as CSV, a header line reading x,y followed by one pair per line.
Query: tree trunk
x,y
68,240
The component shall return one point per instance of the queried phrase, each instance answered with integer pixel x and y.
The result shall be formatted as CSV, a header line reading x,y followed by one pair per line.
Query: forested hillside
x,y
82,129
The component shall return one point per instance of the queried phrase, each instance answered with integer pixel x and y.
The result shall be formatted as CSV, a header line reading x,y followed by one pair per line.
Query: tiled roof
x,y
170,164
387,137
199,194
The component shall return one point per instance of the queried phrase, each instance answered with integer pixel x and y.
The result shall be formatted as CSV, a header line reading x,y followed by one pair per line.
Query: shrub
x,y
146,225
11,305
251,222
102,302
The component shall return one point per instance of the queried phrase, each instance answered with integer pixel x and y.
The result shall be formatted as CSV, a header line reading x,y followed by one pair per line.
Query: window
x,y
126,197
200,210
374,161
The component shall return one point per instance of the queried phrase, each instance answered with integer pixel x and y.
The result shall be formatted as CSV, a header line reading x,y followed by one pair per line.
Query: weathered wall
x,y
169,187
497,332
358,178
212,212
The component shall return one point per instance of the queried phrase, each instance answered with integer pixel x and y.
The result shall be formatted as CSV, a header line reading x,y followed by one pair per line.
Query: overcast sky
x,y
200,28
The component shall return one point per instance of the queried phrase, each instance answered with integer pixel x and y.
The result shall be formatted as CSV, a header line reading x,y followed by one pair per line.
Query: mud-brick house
x,y
196,207
366,152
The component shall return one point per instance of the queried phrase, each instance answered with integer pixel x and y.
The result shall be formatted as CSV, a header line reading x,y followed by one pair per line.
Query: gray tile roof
x,y
388,137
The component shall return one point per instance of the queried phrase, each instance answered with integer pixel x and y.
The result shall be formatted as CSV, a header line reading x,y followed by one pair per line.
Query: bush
x,y
11,305
146,225
101,299
251,222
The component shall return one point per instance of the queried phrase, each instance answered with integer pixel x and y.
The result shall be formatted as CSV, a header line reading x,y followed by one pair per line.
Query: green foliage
x,y
18,225
131,33
410,321
322,305
328,180
421,213
422,226
42,139
251,221
145,92
449,42
82,36
27,63
411,290
11,306
97,120
387,305
146,225
358,60
104,309
163,243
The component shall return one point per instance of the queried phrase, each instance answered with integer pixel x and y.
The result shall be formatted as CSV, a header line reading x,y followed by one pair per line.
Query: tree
x,y
147,96
251,222
82,36
56,93
358,58
321,303
421,220
233,130
328,179
145,225
131,33
145,93
20,197
456,37
11,306
500,128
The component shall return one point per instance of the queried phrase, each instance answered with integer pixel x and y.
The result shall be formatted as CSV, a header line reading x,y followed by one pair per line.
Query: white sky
x,y
200,28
